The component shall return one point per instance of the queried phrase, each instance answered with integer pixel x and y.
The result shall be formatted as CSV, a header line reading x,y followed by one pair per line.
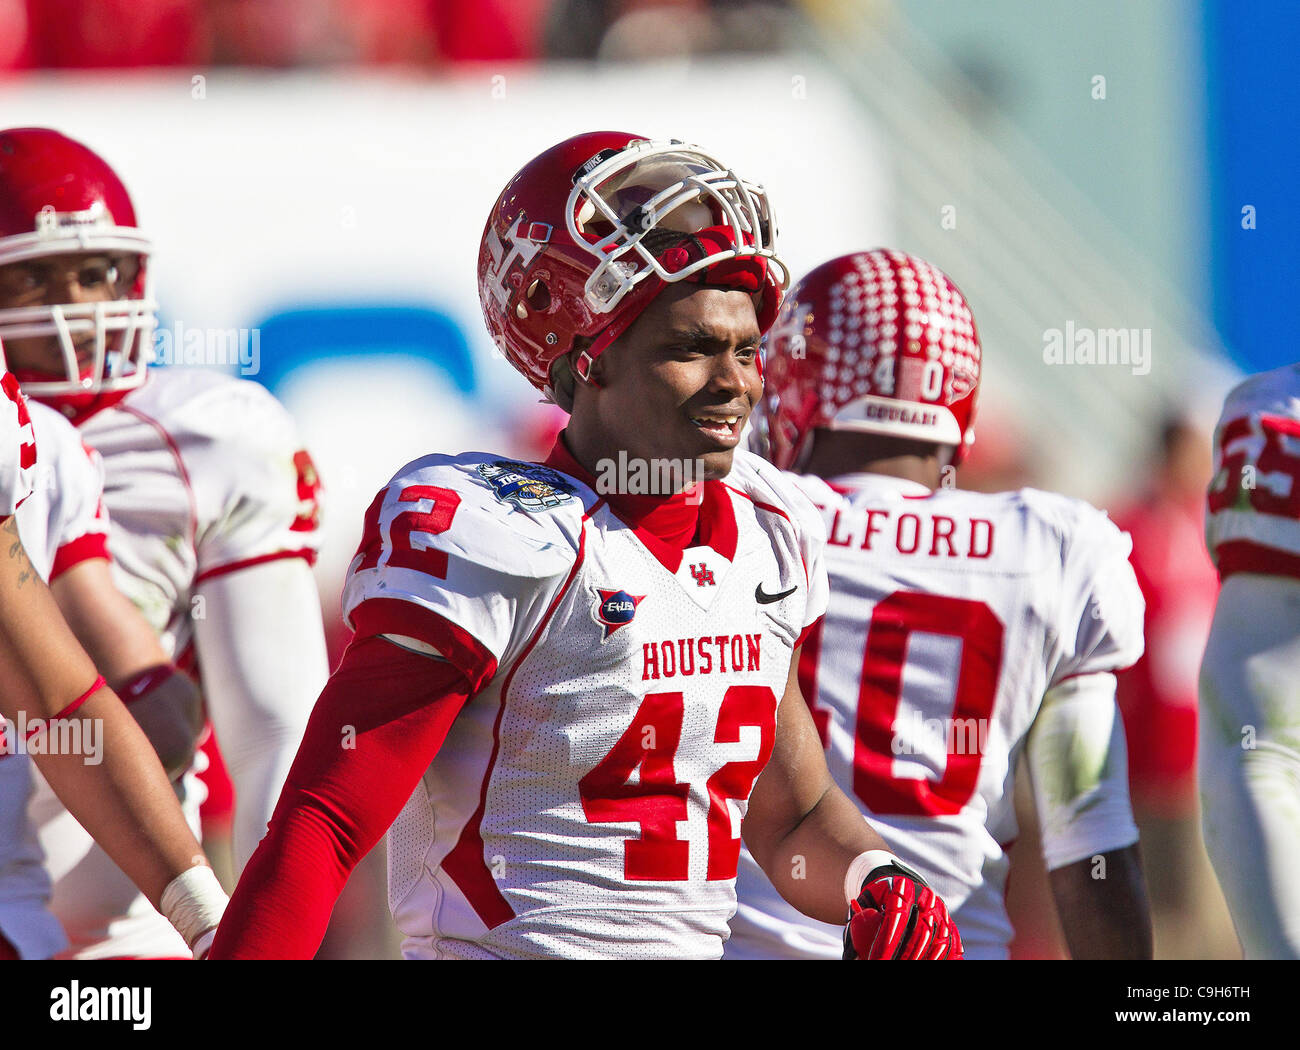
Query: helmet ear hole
x,y
538,296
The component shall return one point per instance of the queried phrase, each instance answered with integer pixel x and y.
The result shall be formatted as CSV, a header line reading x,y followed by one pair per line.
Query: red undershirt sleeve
x,y
378,724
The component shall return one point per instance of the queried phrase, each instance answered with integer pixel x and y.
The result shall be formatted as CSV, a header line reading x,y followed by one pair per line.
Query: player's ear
x,y
562,383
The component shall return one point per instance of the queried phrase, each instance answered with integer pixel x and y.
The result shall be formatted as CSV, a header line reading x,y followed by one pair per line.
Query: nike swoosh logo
x,y
763,598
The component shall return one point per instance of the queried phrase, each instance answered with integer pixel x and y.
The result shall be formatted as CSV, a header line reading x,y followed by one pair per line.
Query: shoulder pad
x,y
765,484
1075,520
1277,391
517,518
197,403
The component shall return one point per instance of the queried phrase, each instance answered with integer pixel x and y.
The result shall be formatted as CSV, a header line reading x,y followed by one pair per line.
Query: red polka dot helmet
x,y
878,342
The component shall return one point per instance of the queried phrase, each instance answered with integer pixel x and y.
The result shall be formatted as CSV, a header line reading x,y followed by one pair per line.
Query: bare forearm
x,y
125,649
114,633
42,666
102,769
118,792
1102,904
809,864
802,829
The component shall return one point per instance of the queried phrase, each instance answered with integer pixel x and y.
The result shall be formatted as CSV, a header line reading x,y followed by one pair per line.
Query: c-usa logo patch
x,y
614,610
525,485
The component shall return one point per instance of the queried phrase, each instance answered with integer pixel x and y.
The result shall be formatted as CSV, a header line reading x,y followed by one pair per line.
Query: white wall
x,y
272,190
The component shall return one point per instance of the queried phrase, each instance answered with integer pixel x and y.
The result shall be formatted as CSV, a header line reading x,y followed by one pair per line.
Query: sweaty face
x,y
680,383
61,280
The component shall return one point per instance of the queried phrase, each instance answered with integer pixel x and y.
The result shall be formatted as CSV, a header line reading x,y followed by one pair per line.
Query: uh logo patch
x,y
614,610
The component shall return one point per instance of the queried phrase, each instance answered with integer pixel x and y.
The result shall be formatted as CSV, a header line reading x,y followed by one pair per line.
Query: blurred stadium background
x,y
315,175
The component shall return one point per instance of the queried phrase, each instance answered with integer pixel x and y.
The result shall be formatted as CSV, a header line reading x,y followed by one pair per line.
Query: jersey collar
x,y
851,484
667,526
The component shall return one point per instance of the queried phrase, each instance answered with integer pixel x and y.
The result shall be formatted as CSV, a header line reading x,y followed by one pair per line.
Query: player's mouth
x,y
724,428
41,360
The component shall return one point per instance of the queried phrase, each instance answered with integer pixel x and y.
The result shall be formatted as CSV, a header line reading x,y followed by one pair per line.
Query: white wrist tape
x,y
204,944
862,866
193,902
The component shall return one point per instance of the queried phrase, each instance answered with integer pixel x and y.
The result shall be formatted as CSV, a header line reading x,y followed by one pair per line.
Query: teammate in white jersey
x,y
1250,675
562,693
213,499
117,789
65,531
962,628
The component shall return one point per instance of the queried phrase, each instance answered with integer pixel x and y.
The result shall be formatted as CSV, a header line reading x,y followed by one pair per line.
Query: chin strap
x,y
582,365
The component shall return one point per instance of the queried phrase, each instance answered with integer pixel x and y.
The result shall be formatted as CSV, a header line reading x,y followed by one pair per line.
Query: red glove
x,y
897,916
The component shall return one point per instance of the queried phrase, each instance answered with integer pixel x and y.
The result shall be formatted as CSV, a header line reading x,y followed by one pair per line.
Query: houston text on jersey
x,y
675,656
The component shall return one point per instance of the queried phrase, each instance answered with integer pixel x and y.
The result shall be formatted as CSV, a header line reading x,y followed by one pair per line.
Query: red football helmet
x,y
586,234
878,342
57,197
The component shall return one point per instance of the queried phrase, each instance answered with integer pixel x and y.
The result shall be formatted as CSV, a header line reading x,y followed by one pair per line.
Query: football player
x,y
64,530
962,629
562,692
123,799
214,503
1250,675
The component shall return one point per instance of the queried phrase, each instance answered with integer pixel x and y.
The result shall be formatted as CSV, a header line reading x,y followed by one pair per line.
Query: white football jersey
x,y
1248,764
61,525
204,475
951,614
64,522
17,447
588,798
1253,524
